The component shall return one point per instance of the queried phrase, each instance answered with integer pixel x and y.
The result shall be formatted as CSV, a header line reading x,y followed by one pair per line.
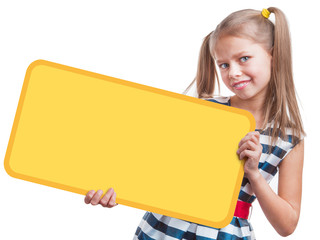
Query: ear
x,y
271,54
271,51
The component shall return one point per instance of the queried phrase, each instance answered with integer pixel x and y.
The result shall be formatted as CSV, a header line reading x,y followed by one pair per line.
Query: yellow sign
x,y
161,151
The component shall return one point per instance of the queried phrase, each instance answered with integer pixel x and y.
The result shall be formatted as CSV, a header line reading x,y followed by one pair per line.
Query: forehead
x,y
227,44
231,46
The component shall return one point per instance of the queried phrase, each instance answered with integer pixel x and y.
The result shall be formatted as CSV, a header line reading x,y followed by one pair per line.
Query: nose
x,y
234,71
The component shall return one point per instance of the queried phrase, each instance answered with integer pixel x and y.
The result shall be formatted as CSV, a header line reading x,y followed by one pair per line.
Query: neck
x,y
253,105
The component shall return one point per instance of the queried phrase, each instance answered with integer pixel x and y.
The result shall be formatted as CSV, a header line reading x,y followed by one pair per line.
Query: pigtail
x,y
206,76
281,103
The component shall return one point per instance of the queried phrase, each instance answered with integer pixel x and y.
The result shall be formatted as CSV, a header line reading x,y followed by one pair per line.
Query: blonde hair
x,y
280,105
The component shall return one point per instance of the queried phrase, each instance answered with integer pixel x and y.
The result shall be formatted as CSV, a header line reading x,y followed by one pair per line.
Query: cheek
x,y
225,80
268,67
264,68
225,77
265,72
260,70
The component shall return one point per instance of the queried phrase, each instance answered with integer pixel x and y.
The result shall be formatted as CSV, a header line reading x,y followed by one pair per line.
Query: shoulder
x,y
285,142
288,134
219,99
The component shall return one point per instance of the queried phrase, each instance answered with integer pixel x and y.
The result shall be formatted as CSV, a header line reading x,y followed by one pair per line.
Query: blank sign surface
x,y
161,151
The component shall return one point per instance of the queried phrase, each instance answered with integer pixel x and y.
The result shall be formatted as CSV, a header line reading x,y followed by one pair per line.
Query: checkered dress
x,y
161,227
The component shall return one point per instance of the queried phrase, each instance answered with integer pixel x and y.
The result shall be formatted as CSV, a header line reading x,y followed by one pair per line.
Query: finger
x,y
112,201
246,138
250,145
256,137
89,196
243,140
96,197
246,154
253,136
106,198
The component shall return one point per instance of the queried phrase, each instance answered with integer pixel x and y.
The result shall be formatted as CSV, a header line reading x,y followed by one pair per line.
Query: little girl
x,y
254,59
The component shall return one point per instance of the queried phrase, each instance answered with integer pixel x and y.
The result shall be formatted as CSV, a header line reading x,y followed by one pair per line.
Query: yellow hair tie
x,y
265,13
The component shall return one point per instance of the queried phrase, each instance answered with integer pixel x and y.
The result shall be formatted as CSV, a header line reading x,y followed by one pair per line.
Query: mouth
x,y
241,84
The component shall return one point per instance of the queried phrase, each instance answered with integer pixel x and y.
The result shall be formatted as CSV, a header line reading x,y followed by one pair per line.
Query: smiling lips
x,y
240,85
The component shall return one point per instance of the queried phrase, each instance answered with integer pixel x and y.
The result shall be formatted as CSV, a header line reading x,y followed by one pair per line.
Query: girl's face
x,y
245,66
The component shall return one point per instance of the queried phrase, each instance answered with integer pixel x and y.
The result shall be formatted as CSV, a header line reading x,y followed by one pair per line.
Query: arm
x,y
281,210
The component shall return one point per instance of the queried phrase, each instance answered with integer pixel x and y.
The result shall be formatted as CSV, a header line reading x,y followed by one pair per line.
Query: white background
x,y
155,43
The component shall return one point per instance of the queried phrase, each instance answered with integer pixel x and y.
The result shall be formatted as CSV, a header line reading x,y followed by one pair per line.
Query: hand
x,y
251,150
108,200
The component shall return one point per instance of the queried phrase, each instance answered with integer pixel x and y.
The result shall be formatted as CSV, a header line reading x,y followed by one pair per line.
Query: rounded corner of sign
x,y
9,170
224,222
35,64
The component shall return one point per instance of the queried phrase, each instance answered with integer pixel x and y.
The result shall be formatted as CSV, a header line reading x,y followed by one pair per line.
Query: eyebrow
x,y
242,53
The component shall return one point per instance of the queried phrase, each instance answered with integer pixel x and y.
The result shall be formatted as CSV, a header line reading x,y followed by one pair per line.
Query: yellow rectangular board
x,y
161,151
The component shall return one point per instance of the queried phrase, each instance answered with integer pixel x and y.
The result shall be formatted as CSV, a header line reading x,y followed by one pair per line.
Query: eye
x,y
224,65
244,59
